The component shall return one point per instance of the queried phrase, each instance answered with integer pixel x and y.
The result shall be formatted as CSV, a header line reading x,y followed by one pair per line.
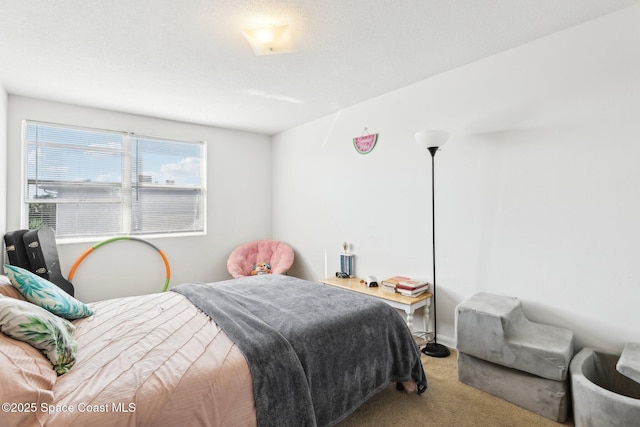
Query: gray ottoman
x,y
503,353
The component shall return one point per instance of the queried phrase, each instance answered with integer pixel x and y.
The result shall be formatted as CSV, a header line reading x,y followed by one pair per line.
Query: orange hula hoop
x,y
167,268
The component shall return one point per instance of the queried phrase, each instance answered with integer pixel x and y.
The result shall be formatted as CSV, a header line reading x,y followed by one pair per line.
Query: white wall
x,y
239,203
3,163
537,190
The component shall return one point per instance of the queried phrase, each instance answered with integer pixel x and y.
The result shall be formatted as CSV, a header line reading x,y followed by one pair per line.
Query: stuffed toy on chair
x,y
261,268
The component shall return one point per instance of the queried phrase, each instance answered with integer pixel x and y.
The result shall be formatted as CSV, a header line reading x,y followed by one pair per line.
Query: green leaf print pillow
x,y
42,292
42,330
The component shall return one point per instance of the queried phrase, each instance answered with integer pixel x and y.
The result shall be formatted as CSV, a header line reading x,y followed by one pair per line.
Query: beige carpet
x,y
447,402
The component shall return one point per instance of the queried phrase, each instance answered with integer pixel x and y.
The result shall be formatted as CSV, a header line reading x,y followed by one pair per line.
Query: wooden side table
x,y
407,304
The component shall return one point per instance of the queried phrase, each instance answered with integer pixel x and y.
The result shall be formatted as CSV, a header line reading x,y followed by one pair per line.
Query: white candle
x,y
326,272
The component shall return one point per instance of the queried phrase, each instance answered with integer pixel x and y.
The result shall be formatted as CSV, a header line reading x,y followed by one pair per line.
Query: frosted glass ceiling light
x,y
270,40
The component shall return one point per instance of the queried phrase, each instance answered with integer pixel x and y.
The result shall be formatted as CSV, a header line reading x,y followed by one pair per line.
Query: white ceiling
x,y
188,60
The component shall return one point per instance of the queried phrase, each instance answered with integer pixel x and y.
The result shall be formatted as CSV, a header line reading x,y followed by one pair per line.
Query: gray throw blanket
x,y
315,352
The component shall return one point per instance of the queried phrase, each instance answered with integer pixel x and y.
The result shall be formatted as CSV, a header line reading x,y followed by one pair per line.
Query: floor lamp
x,y
432,140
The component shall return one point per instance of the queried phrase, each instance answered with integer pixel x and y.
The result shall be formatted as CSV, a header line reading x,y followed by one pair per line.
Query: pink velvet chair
x,y
243,258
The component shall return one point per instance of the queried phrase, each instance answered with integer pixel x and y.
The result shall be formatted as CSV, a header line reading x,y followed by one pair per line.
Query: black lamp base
x,y
434,349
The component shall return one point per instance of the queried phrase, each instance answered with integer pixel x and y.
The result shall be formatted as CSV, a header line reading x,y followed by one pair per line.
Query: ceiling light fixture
x,y
270,40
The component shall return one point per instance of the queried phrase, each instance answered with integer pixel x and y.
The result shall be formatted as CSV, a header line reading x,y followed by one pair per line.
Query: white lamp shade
x,y
270,40
432,138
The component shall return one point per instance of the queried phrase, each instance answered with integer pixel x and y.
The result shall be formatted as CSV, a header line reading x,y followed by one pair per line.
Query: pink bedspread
x,y
153,360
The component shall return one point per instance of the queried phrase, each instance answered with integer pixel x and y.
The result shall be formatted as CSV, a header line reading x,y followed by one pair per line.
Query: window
x,y
89,182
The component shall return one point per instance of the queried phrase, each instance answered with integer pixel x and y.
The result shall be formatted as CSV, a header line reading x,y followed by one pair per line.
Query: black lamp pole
x,y
432,348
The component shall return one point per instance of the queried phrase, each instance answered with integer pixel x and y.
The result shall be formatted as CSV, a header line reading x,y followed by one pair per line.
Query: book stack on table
x,y
405,286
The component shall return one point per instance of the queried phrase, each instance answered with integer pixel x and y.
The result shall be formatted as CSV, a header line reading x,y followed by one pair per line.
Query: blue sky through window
x,y
77,155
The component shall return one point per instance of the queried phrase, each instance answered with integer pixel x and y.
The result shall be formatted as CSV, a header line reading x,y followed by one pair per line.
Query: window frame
x,y
125,183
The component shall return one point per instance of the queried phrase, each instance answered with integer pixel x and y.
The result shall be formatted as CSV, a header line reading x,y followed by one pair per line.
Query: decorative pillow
x,y
42,292
26,379
31,324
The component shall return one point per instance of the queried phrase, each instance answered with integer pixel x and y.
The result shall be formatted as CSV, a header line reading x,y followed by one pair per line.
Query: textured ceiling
x,y
189,61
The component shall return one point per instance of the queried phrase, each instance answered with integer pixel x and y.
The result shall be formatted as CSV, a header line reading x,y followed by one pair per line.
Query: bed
x,y
262,350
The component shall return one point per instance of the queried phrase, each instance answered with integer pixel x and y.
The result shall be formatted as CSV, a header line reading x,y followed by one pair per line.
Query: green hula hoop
x,y
114,239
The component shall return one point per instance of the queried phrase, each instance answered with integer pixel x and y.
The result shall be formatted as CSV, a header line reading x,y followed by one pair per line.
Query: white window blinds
x,y
89,182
